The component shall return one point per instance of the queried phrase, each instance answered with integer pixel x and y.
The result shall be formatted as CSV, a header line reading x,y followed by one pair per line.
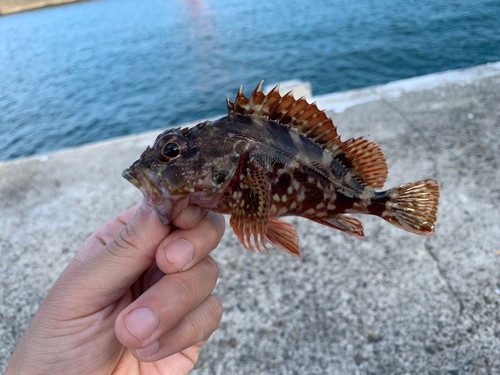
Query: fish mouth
x,y
166,206
139,179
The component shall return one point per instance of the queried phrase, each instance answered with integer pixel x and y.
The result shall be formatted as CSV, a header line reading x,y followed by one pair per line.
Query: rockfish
x,y
275,156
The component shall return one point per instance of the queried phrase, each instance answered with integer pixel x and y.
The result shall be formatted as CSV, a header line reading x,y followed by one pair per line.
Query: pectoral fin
x,y
250,216
250,219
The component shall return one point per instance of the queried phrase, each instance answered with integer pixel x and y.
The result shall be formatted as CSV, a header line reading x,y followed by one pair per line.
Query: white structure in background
x,y
299,88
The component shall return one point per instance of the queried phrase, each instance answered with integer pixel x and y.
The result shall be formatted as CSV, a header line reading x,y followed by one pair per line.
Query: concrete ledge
x,y
16,6
394,303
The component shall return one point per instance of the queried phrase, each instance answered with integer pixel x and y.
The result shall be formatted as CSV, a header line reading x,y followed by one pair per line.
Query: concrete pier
x,y
16,6
393,303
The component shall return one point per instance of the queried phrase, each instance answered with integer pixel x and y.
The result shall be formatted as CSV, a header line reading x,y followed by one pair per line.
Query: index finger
x,y
187,218
184,248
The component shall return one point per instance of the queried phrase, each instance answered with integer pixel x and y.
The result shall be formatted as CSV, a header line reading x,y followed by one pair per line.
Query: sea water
x,y
94,70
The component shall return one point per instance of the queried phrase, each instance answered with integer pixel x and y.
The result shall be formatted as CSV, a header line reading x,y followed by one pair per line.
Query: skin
x,y
130,278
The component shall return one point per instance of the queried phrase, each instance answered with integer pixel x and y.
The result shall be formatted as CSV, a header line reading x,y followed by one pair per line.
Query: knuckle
x,y
108,228
215,307
190,216
195,328
106,233
131,235
185,293
116,247
218,222
121,243
125,241
100,239
212,266
211,232
205,321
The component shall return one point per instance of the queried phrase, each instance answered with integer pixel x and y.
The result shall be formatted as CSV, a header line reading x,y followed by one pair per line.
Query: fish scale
x,y
274,156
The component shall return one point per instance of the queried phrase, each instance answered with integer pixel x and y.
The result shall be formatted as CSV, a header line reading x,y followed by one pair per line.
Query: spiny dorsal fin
x,y
299,115
362,156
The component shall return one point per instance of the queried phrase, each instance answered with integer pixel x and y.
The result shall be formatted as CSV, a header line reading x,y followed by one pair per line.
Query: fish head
x,y
185,165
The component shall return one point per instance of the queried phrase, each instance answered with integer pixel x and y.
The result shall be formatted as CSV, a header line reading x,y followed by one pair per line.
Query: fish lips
x,y
141,181
166,206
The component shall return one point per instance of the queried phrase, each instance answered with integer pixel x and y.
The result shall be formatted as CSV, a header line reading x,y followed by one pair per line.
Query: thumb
x,y
106,275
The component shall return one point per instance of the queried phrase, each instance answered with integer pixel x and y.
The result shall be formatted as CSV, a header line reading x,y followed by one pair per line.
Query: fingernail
x,y
180,253
149,351
141,323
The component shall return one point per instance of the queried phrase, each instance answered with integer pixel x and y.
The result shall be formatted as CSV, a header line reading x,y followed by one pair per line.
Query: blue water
x,y
89,71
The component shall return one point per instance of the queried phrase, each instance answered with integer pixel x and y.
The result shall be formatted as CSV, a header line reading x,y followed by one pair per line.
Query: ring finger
x,y
193,328
163,305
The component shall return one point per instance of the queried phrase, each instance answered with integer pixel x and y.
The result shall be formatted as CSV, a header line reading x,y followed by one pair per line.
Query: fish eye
x,y
171,150
170,146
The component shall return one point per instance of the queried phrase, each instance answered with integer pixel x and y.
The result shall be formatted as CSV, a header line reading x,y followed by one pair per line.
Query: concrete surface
x,y
393,303
16,6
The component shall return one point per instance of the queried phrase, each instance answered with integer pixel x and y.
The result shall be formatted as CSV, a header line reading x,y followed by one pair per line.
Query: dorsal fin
x,y
362,156
299,115
365,160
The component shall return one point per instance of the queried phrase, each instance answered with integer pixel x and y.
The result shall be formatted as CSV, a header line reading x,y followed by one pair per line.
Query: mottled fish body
x,y
275,156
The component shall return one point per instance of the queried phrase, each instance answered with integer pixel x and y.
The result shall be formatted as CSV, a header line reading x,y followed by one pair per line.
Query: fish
x,y
274,156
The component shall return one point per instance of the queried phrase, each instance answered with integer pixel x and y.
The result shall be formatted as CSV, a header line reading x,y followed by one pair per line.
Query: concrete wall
x,y
393,303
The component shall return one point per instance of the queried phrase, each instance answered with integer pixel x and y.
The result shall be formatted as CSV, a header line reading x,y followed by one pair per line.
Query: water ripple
x,y
96,70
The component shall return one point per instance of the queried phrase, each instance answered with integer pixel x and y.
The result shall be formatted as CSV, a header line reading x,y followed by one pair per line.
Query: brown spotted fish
x,y
275,156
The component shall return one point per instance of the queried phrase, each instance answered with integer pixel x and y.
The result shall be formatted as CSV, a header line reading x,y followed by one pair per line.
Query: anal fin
x,y
342,222
283,236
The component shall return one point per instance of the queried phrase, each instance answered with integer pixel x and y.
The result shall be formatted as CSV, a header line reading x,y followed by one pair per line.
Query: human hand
x,y
131,301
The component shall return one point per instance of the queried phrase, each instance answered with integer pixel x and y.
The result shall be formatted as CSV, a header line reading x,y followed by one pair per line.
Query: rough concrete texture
x,y
393,303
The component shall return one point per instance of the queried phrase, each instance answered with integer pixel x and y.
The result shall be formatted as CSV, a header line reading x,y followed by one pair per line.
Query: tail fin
x,y
413,206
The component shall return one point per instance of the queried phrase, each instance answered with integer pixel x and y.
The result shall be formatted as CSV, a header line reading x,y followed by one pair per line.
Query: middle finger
x,y
183,248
